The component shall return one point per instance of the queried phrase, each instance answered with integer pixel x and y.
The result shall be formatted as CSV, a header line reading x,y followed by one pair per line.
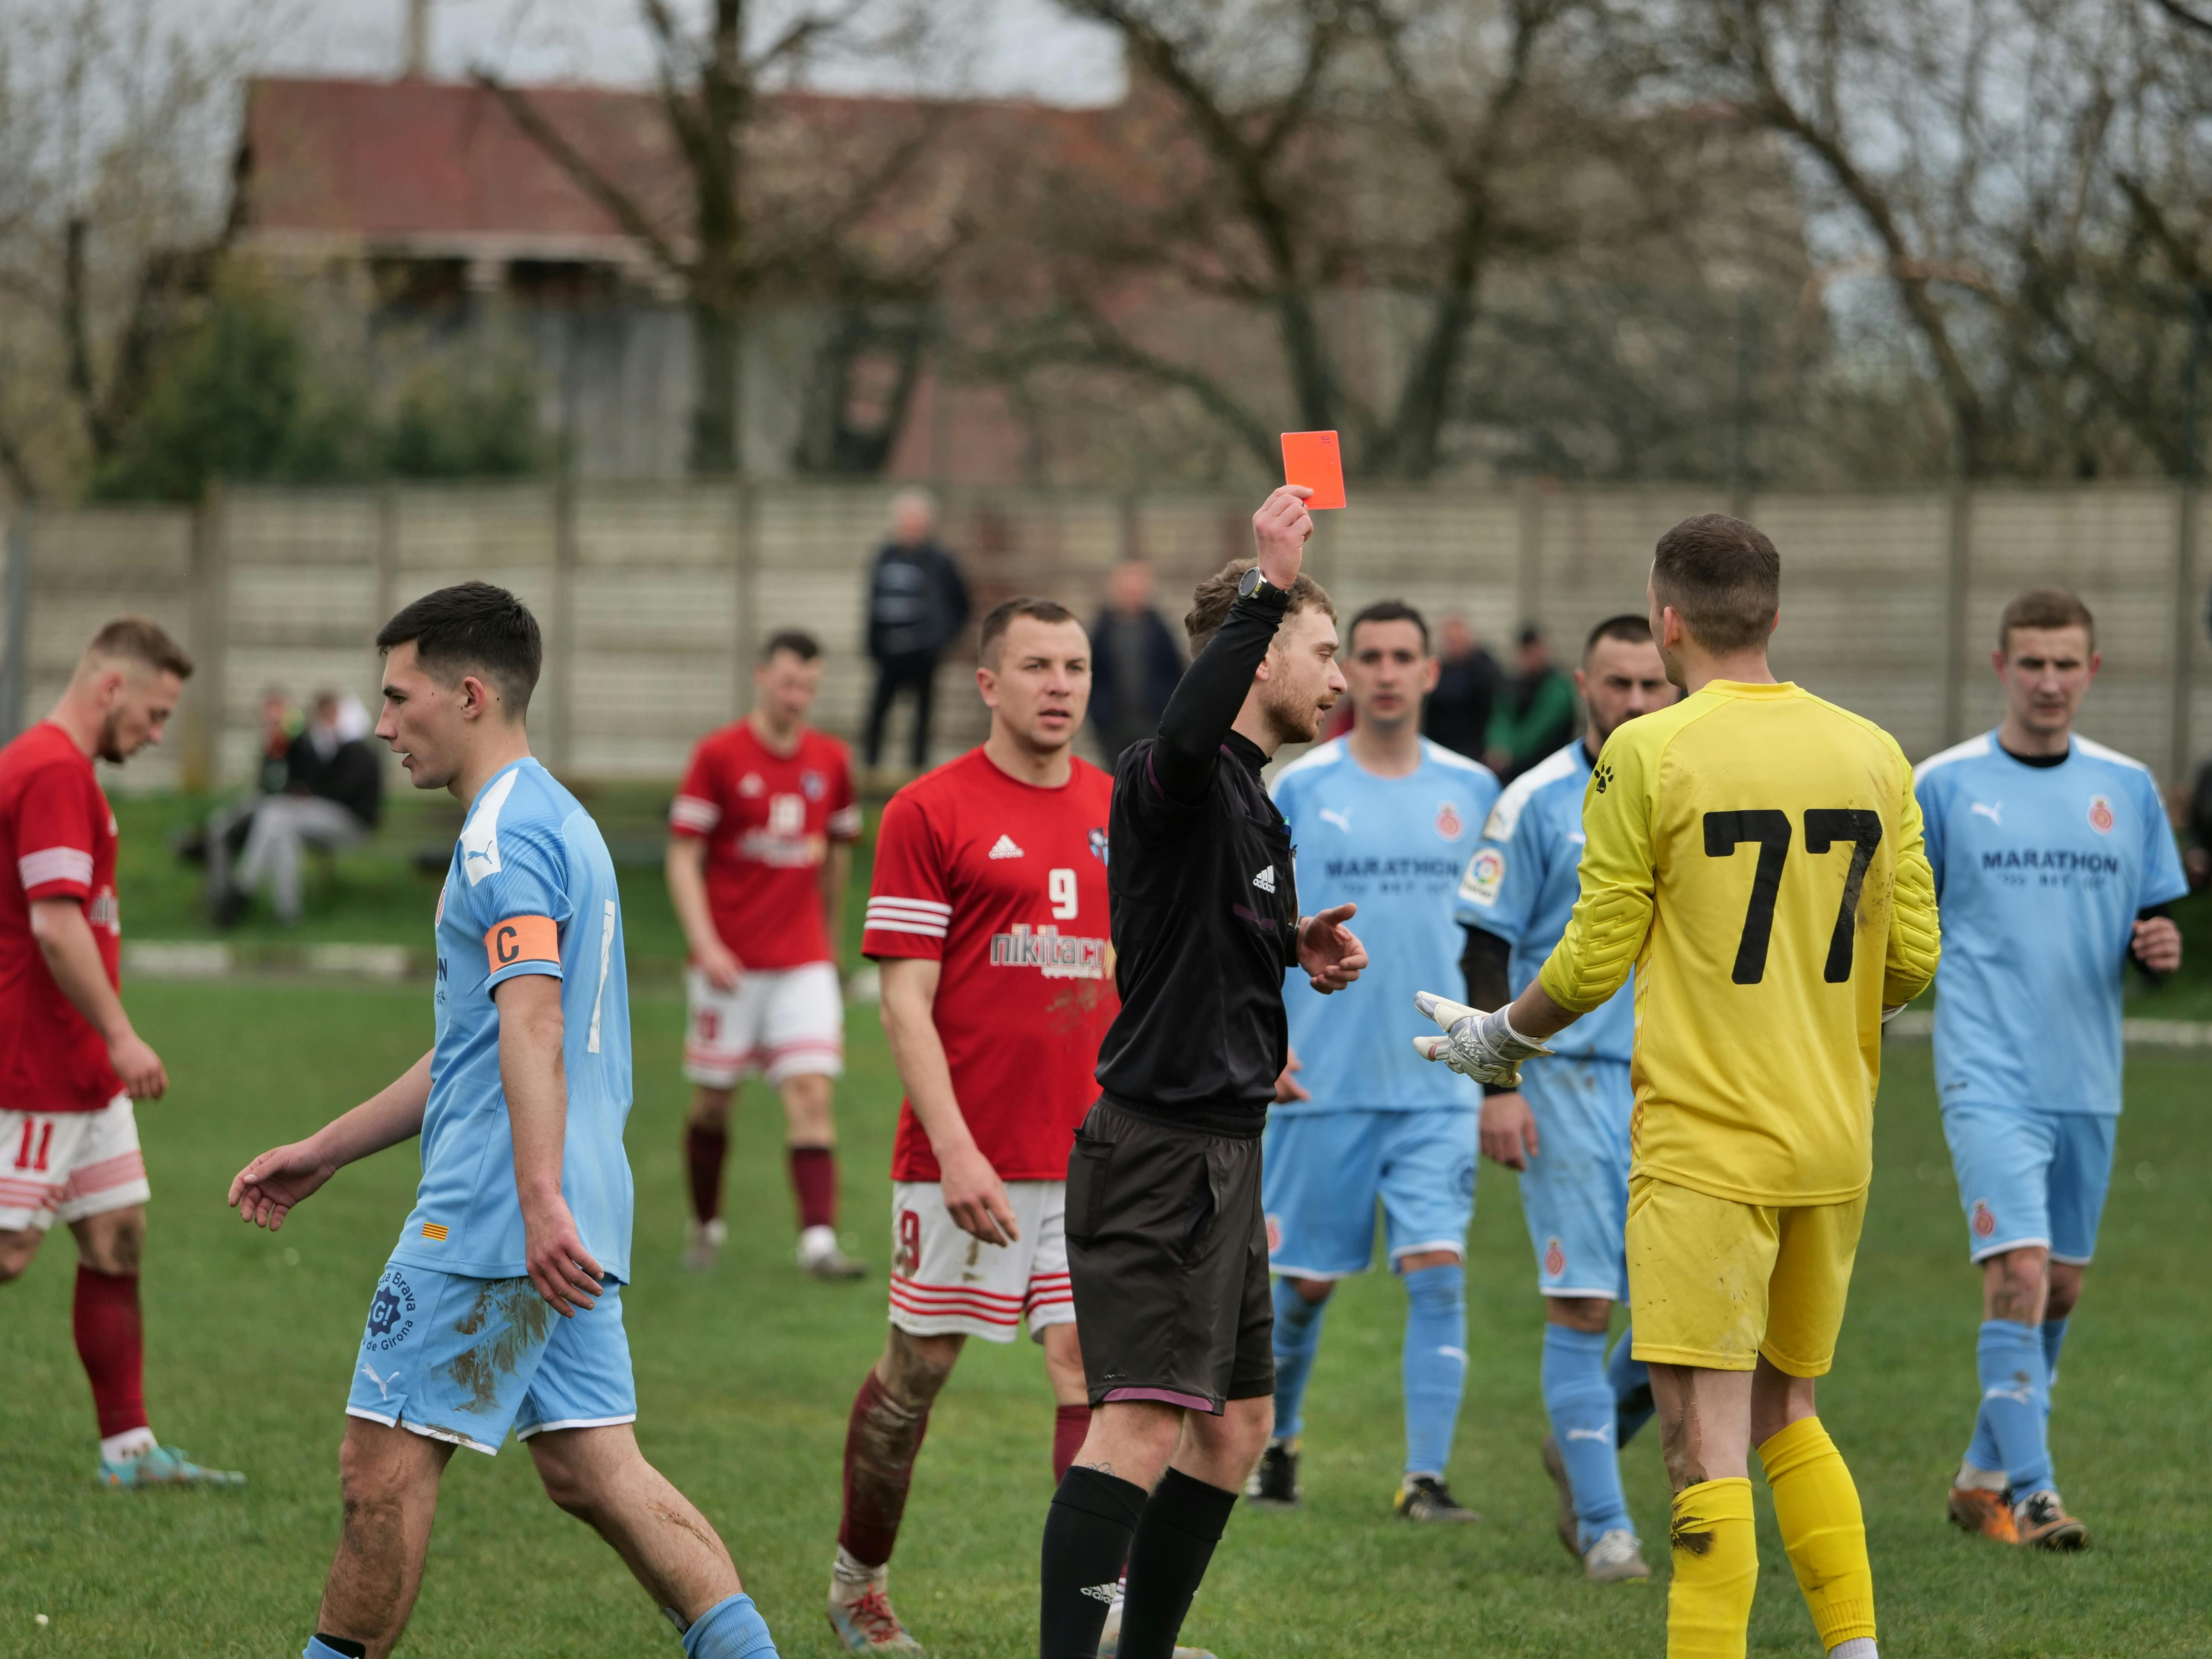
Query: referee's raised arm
x,y
1167,1245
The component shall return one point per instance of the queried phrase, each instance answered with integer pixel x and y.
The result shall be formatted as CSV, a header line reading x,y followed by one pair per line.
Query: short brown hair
x,y
1210,601
143,641
2045,607
1631,630
1723,577
992,641
473,627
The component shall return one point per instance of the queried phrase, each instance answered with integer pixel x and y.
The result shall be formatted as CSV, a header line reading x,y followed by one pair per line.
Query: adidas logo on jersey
x,y
1264,881
1004,847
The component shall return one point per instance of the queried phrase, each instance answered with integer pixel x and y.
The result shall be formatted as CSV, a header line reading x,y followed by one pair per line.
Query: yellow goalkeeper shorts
x,y
1715,1283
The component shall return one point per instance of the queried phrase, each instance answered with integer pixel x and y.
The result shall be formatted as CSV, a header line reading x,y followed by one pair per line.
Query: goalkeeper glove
x,y
1484,1046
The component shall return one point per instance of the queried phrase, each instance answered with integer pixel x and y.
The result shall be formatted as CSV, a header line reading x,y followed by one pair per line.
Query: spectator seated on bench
x,y
333,794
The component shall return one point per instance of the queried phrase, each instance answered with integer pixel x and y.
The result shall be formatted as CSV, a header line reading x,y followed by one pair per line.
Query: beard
x,y
110,745
1294,717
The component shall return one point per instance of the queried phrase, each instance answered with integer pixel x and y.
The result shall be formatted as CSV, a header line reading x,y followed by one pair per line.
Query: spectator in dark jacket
x,y
333,796
1537,713
1134,662
1457,714
917,605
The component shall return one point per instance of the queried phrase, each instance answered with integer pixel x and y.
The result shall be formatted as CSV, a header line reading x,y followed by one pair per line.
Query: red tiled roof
x,y
424,162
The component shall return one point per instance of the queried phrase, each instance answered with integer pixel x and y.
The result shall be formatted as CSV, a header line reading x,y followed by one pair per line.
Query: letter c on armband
x,y
521,939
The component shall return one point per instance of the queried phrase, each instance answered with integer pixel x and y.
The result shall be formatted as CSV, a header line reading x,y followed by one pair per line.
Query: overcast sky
x,y
1013,48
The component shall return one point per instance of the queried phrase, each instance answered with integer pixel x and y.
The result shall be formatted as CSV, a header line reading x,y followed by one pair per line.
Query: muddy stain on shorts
x,y
510,1318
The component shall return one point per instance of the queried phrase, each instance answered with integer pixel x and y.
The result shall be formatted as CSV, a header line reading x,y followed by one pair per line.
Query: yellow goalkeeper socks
x,y
1822,1528
1716,1570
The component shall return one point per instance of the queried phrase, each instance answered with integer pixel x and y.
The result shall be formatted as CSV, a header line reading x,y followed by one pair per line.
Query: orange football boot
x,y
1976,1508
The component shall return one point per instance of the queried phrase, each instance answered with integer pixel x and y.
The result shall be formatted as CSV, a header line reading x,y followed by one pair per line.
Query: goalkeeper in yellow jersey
x,y
1754,854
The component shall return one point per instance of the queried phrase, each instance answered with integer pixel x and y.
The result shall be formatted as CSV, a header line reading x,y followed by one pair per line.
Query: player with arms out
x,y
988,916
1565,1128
70,1062
1382,818
760,844
2055,866
1167,1243
523,1209
1753,854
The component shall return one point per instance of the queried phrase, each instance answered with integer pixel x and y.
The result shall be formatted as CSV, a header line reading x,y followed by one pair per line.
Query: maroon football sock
x,y
814,1181
704,1149
1069,1425
881,1441
110,1340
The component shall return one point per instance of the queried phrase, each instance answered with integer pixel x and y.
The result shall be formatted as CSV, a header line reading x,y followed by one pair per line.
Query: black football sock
x,y
1086,1538
1174,1542
344,1646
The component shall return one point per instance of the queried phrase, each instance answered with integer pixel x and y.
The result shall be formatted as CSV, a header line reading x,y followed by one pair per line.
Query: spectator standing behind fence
x,y
333,795
1457,713
917,605
1134,664
1536,715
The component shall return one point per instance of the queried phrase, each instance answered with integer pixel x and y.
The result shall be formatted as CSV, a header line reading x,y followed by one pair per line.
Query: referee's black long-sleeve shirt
x,y
1203,902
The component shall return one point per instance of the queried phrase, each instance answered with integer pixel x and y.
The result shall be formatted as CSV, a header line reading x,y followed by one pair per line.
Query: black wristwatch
x,y
1257,587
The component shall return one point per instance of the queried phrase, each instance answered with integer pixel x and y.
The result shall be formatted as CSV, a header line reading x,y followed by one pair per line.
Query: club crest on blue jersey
x,y
2100,815
1449,824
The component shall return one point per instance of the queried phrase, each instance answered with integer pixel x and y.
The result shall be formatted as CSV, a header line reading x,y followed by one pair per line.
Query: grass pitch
x,y
746,1374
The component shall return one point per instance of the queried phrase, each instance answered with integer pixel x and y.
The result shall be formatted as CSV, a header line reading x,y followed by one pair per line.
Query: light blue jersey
x,y
530,890
1521,883
2039,872
1394,846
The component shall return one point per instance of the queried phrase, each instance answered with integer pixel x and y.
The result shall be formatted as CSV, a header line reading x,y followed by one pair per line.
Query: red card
x,y
1311,458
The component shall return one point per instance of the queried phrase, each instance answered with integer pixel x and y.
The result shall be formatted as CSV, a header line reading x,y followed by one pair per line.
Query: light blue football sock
x,y
1579,1399
1297,1339
2054,1339
1630,1378
732,1629
2015,1387
1435,1364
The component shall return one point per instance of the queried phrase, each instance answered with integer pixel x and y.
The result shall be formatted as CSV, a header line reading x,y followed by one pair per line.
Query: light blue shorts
x,y
2030,1177
1324,1171
1574,1194
465,1359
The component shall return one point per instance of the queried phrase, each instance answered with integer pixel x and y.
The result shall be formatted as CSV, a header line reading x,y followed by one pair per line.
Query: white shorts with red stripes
x,y
780,1023
946,1280
64,1166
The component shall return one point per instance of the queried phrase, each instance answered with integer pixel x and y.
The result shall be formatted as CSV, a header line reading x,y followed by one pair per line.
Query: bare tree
x,y
1339,167
111,136
770,200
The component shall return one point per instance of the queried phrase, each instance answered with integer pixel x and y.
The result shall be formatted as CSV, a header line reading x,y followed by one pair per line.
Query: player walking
x,y
70,1061
760,839
2054,865
523,1209
1167,1243
1567,1127
1382,818
1754,853
988,913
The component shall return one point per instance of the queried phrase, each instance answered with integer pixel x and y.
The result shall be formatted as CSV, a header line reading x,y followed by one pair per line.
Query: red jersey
x,y
57,841
768,820
1006,883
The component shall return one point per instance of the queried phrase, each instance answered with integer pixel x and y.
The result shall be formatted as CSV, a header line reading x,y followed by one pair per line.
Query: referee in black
x,y
1166,1242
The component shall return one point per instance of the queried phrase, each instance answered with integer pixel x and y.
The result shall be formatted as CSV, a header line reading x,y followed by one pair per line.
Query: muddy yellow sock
x,y
1817,1508
1716,1570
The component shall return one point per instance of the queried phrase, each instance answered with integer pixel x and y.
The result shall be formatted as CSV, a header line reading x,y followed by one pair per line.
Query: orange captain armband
x,y
521,939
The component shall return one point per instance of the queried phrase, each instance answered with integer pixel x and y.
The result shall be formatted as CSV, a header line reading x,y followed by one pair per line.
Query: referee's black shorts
x,y
1167,1250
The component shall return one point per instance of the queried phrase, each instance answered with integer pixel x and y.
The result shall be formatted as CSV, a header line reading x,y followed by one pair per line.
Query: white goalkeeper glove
x,y
1484,1046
